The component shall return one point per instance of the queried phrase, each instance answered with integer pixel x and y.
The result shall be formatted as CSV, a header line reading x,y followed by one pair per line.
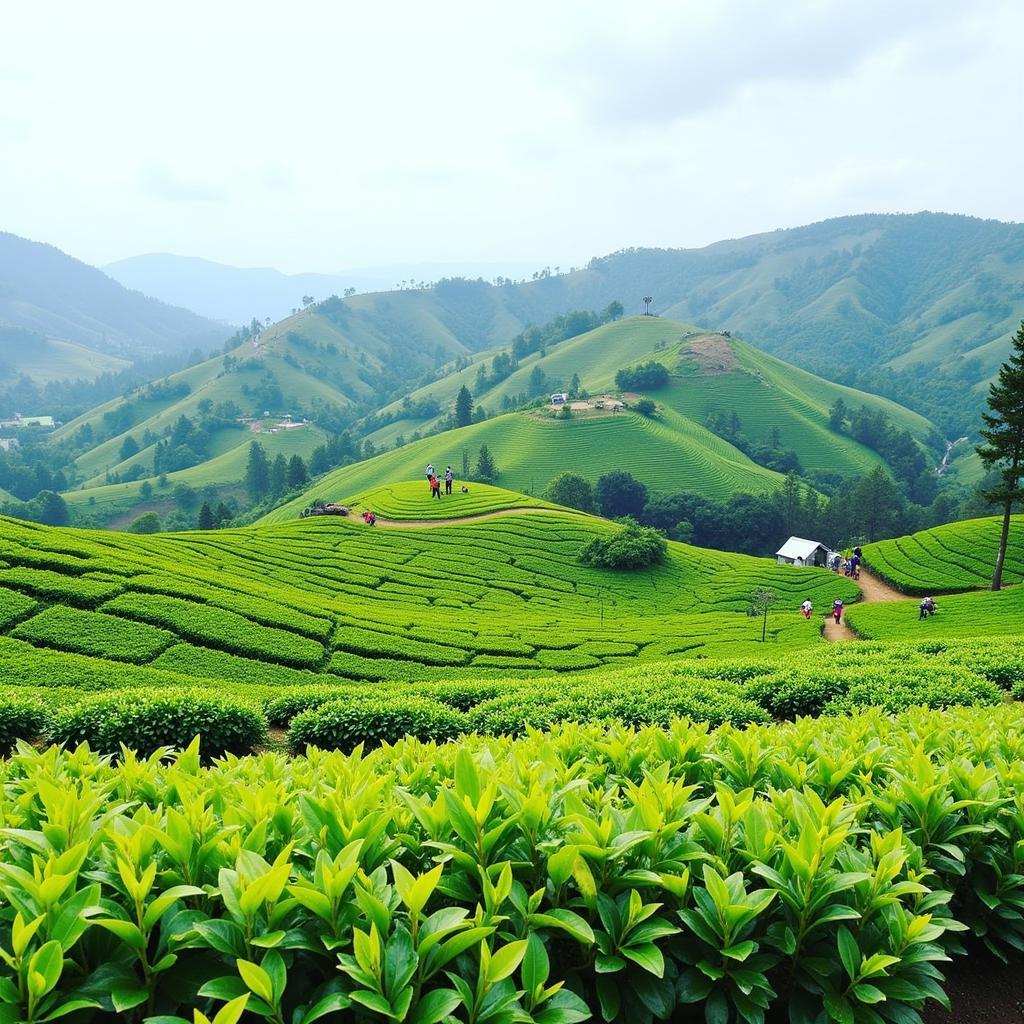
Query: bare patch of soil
x,y
982,990
712,353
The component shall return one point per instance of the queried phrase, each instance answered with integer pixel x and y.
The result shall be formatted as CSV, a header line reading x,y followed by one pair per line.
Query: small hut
x,y
797,551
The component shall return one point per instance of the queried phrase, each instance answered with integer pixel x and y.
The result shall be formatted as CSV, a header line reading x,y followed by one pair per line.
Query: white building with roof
x,y
797,551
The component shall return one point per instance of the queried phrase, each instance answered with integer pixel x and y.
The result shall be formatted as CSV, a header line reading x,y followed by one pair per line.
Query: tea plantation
x,y
516,788
957,556
338,600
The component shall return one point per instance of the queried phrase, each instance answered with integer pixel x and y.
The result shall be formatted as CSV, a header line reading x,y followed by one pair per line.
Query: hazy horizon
x,y
329,139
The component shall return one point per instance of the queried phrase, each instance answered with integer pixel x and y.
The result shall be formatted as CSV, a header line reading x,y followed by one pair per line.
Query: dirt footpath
x,y
872,589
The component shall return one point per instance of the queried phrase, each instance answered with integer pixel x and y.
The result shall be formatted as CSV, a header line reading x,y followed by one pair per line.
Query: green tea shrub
x,y
821,870
13,606
84,632
916,686
281,710
465,695
632,547
148,721
344,724
21,719
789,694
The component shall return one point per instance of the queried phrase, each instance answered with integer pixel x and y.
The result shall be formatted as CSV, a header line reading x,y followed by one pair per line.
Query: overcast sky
x,y
327,135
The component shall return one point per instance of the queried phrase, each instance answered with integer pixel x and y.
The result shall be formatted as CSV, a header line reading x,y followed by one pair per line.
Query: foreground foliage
x,y
827,866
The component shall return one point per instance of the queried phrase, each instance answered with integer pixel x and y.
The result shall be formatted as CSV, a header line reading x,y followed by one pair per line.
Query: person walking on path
x,y
449,478
435,487
837,609
807,608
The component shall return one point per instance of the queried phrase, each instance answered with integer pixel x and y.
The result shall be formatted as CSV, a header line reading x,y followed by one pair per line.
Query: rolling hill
x,y
854,299
48,359
670,453
51,294
954,557
324,358
330,600
711,376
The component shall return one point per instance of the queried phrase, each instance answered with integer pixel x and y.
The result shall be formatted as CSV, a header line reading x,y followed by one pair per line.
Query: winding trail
x,y
872,589
415,524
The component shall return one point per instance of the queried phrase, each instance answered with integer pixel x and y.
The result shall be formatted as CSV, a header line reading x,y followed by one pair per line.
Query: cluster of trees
x,y
632,547
866,509
906,459
45,507
273,479
184,444
771,455
647,376
26,471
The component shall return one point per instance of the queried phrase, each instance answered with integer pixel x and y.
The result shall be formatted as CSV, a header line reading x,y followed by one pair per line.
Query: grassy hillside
x,y
48,359
711,375
844,298
330,599
957,556
224,471
669,453
48,292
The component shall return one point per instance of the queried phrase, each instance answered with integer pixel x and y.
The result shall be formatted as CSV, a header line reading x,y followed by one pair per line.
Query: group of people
x,y
928,607
807,609
847,566
435,481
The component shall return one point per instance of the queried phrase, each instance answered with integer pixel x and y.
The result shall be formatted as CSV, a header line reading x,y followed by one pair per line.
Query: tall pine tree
x,y
1004,442
257,472
464,407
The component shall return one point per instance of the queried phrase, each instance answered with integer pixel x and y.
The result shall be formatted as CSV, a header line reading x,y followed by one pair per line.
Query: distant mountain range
x,y
237,294
55,297
882,301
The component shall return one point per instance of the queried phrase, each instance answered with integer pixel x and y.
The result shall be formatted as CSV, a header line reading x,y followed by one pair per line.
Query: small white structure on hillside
x,y
559,398
797,551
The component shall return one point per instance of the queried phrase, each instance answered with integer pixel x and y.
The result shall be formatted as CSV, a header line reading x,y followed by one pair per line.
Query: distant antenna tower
x,y
648,299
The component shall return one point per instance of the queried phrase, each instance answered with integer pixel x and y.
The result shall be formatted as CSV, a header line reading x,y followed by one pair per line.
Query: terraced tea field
x,y
410,502
980,614
329,599
953,557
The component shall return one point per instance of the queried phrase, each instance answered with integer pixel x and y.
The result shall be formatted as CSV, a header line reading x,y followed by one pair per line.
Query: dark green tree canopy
x,y
464,407
1003,449
620,494
573,491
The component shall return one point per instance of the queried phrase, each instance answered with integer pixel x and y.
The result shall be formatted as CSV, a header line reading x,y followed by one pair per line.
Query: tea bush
x,y
147,721
347,723
72,629
820,870
21,719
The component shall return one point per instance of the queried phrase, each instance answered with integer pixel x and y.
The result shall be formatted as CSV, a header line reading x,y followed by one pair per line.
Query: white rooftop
x,y
797,547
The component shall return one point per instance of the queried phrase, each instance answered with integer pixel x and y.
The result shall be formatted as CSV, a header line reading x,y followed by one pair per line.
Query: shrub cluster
x,y
21,719
632,547
146,721
370,721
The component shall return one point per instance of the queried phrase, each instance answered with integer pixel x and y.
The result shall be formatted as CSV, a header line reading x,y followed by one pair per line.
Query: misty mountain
x,y
237,294
48,293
